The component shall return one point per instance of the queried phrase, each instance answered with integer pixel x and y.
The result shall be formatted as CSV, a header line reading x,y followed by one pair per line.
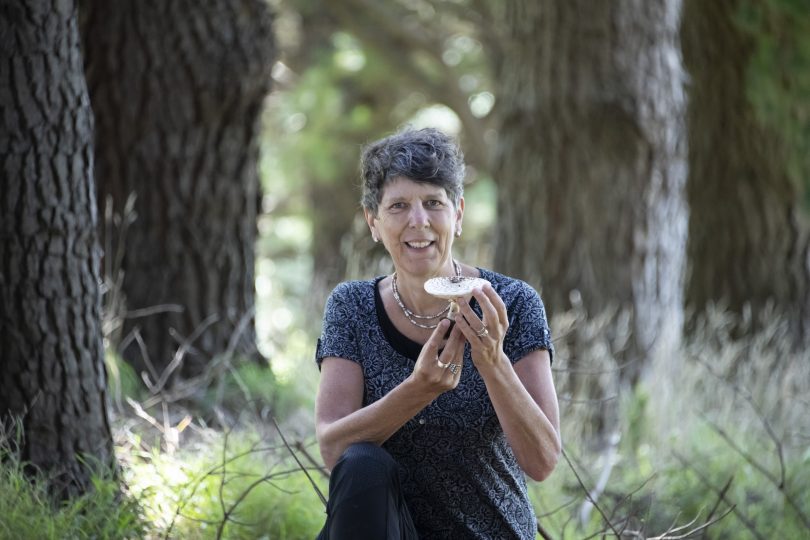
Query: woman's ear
x,y
370,221
459,215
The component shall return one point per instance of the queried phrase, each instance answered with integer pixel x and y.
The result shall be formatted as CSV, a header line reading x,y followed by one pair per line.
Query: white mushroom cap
x,y
452,287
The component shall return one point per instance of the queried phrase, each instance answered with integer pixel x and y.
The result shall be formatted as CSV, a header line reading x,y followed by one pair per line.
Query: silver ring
x,y
442,364
454,368
483,332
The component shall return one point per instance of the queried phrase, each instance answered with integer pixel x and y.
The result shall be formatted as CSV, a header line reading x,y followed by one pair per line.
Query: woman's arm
x,y
523,395
340,418
526,404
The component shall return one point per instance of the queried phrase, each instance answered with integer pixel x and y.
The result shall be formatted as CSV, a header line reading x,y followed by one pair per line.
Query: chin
x,y
423,268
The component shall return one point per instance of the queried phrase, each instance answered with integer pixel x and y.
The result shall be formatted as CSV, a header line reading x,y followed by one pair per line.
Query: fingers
x,y
497,303
435,340
441,372
485,334
492,306
455,343
453,352
489,320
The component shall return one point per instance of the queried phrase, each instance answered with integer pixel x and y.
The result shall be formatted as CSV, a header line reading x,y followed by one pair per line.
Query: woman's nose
x,y
418,218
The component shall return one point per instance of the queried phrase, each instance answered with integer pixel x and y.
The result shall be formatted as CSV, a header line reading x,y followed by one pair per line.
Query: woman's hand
x,y
523,395
486,334
437,373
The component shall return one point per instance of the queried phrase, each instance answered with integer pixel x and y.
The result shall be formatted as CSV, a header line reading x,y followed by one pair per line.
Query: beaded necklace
x,y
410,315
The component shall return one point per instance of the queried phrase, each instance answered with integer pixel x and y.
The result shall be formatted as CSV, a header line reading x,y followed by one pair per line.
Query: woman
x,y
429,430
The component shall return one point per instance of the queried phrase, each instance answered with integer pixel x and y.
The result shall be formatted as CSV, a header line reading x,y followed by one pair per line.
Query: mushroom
x,y
452,288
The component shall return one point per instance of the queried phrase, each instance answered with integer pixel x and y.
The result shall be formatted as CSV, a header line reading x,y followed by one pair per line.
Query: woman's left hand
x,y
485,334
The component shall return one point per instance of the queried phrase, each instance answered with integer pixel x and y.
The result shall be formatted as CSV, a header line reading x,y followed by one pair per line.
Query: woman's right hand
x,y
437,373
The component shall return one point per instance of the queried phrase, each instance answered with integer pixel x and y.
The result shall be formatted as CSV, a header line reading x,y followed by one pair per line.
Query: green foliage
x,y
715,410
28,512
234,485
669,483
255,387
122,382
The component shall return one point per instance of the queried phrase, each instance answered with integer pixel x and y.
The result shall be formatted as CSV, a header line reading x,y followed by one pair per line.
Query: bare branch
x,y
152,310
320,468
692,532
722,495
779,483
602,481
588,495
295,457
746,395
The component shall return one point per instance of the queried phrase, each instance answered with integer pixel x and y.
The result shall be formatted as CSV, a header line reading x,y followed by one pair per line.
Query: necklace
x,y
410,315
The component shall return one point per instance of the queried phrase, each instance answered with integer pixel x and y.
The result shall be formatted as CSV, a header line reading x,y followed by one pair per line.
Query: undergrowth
x,y
713,443
27,510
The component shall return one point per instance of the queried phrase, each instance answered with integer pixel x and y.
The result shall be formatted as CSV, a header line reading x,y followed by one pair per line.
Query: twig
x,y
743,519
295,457
136,334
139,411
601,483
745,455
198,482
152,310
557,509
746,395
780,484
588,495
542,532
225,358
181,351
694,531
301,448
720,498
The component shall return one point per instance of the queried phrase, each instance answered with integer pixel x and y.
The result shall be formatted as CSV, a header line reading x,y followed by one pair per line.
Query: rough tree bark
x,y
591,160
177,88
748,239
52,375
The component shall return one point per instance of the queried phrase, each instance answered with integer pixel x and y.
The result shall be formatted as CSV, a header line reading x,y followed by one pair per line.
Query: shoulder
x,y
511,290
353,290
351,296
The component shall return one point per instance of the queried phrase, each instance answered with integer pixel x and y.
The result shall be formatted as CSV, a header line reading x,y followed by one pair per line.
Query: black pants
x,y
365,499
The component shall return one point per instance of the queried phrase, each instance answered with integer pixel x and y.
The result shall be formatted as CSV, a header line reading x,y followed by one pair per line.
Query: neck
x,y
412,292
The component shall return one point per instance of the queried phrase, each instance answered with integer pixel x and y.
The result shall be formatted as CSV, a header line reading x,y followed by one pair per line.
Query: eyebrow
x,y
438,194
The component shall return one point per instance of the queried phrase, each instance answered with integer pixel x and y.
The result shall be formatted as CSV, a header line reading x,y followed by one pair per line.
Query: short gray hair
x,y
424,155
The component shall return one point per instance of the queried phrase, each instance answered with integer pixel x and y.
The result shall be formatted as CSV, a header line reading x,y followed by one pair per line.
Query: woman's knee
x,y
366,462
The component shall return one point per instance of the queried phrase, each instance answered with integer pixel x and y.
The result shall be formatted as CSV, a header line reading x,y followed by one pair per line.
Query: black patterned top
x,y
458,472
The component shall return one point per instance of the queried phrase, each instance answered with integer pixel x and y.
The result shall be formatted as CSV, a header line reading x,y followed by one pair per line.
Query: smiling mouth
x,y
419,245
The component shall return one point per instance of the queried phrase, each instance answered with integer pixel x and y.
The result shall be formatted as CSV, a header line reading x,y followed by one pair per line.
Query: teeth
x,y
419,244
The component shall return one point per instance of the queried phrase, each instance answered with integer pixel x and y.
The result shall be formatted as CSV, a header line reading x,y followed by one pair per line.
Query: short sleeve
x,y
338,337
528,327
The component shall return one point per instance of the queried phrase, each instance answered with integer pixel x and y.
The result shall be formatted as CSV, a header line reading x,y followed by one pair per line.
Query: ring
x,y
454,368
442,364
483,332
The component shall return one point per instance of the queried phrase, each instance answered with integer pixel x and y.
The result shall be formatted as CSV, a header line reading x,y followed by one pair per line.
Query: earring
x,y
375,238
458,231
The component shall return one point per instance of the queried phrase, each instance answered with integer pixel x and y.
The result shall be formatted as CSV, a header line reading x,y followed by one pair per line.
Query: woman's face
x,y
416,223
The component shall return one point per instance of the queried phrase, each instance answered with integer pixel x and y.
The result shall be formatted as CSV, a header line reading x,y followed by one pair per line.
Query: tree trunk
x,y
590,162
52,371
748,241
177,89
